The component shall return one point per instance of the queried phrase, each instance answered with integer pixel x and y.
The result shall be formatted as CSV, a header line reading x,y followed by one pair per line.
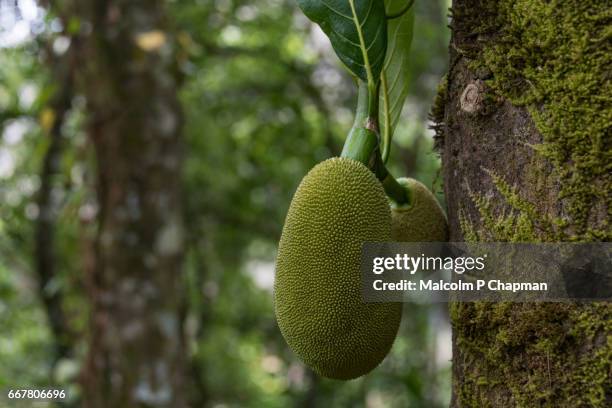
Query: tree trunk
x,y
522,125
44,248
136,351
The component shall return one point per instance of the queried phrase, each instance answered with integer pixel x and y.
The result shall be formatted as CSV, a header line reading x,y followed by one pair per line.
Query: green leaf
x,y
395,74
357,30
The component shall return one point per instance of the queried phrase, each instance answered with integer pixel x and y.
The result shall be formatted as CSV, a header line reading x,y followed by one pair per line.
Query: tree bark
x,y
44,248
136,351
522,124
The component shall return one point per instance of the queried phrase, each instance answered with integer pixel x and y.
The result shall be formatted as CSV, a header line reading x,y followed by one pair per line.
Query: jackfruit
x,y
337,207
423,220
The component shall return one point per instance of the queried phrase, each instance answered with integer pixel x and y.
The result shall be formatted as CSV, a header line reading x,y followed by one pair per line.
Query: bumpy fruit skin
x,y
423,220
338,206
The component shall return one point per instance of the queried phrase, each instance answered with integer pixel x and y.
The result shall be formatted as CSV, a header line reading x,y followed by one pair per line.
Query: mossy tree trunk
x,y
523,122
128,75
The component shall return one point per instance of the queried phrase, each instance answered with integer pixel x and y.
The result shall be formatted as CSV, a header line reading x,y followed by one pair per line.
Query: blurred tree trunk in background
x,y
522,74
136,351
62,73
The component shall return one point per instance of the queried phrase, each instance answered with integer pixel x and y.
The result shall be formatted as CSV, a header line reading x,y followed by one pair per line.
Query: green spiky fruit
x,y
423,220
338,206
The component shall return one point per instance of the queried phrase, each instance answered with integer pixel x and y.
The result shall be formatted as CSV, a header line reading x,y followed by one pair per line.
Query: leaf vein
x,y
394,41
367,14
374,39
336,11
342,36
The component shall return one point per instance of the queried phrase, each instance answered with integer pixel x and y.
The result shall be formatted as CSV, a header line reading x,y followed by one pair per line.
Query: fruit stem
x,y
360,145
373,103
394,190
363,105
363,143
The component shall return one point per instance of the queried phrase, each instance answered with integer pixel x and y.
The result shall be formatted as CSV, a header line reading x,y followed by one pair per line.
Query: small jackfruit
x,y
338,206
423,220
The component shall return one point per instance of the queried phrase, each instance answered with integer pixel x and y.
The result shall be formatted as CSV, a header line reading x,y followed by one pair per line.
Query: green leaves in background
x,y
357,30
395,74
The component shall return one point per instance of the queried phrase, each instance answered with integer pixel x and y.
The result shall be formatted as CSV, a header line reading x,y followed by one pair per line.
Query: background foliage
x,y
264,99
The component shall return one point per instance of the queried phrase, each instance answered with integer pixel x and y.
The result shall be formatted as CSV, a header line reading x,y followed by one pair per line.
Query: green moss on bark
x,y
539,344
437,112
553,58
